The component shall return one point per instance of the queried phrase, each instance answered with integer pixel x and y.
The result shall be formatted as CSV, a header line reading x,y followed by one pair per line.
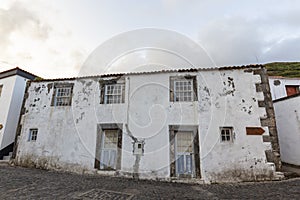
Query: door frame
x,y
99,143
173,130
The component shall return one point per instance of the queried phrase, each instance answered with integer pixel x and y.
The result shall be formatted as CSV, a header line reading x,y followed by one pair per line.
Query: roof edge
x,y
17,71
256,66
286,98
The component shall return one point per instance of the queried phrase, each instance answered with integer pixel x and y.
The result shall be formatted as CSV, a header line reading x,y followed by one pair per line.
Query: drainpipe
x,y
129,133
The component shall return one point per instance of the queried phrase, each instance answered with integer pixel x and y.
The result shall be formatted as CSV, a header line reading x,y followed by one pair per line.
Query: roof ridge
x,y
158,71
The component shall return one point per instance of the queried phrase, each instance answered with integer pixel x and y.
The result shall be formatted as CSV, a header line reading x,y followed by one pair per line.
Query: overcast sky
x,y
54,38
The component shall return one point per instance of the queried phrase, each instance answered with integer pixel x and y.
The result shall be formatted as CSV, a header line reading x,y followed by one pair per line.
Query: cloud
x,y
239,40
288,49
232,41
31,39
18,18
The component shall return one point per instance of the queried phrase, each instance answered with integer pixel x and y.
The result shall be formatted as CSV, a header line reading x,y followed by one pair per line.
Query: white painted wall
x,y
13,115
5,102
288,125
277,86
67,135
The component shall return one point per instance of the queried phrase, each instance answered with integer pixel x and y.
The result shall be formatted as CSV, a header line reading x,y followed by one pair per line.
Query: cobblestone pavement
x,y
25,183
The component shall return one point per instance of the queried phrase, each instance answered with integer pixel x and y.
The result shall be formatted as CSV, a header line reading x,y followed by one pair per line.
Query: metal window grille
x,y
113,94
183,90
63,96
226,135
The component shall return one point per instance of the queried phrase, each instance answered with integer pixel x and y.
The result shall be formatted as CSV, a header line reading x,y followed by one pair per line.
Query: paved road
x,y
24,183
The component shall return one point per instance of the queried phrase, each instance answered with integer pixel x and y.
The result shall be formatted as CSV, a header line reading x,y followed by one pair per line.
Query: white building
x,y
213,125
287,112
12,87
286,96
283,86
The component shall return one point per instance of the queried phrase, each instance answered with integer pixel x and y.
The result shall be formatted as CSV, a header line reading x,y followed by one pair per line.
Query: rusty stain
x,y
254,130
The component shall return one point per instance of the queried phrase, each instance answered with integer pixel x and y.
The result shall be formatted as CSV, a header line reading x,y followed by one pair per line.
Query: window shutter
x,y
195,90
123,93
102,91
53,96
171,89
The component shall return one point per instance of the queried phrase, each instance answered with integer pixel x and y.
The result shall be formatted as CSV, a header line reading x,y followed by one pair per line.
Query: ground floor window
x,y
226,134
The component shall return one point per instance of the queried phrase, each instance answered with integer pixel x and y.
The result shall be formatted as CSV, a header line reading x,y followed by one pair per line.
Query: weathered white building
x,y
213,125
285,93
283,86
12,87
287,112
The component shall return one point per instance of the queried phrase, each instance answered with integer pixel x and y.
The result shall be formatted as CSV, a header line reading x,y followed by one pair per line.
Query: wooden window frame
x,y
172,88
226,132
33,133
56,91
103,90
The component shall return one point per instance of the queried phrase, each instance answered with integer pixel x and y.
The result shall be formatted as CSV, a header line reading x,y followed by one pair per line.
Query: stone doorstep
x,y
8,157
4,162
167,179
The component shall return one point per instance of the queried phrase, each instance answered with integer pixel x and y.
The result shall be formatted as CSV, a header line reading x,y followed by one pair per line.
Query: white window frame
x,y
63,96
113,95
180,96
33,132
226,134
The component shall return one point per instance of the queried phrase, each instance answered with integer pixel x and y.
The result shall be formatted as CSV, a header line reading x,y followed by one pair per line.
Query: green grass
x,y
285,69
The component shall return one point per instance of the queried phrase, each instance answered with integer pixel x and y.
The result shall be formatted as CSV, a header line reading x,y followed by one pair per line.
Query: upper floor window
x,y
112,91
183,89
62,95
292,89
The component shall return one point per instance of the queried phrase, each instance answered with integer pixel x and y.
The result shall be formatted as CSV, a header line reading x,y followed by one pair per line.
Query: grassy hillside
x,y
286,69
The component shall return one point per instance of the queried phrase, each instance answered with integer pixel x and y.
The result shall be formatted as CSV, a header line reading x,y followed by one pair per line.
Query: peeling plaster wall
x,y
229,98
10,106
67,135
277,86
288,123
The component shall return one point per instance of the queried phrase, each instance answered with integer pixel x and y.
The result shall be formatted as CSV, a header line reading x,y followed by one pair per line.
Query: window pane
x,y
226,134
113,94
180,164
63,96
110,139
183,90
184,142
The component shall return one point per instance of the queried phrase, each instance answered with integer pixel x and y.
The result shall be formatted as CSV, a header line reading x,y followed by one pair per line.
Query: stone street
x,y
25,183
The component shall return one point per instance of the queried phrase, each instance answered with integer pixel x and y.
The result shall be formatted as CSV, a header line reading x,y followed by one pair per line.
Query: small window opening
x,y
226,134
